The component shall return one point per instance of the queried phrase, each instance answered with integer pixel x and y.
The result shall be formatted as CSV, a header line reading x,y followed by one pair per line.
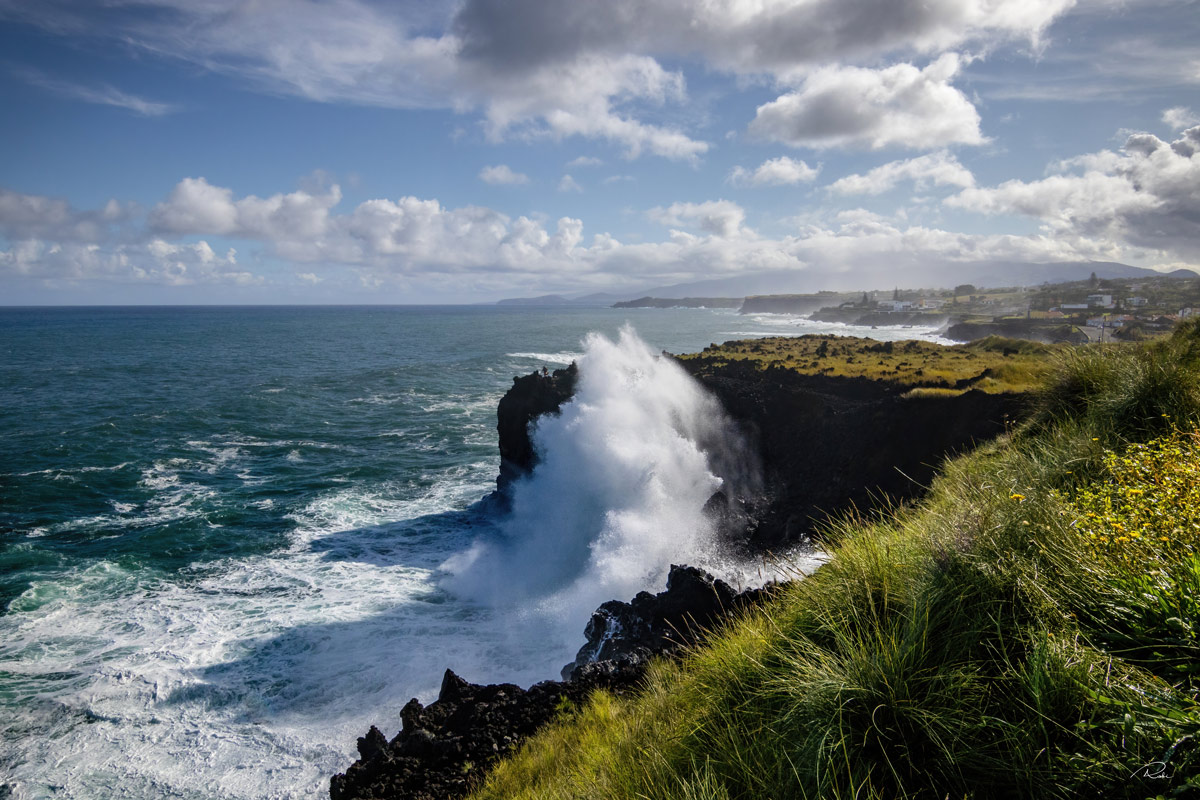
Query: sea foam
x,y
618,494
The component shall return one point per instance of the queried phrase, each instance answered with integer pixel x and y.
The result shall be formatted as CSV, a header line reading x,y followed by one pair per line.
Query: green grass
x,y
993,365
985,644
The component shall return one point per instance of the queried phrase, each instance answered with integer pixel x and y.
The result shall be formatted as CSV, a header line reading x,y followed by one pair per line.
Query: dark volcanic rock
x,y
530,397
693,603
831,444
827,444
444,748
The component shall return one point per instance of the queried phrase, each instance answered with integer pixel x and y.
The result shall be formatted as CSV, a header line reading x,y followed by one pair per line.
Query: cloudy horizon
x,y
348,151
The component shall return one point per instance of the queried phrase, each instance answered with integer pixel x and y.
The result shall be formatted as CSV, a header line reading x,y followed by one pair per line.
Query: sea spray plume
x,y
618,493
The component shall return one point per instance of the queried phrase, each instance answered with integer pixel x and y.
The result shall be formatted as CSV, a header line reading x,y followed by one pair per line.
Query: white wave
x,y
60,473
617,497
791,325
563,358
247,678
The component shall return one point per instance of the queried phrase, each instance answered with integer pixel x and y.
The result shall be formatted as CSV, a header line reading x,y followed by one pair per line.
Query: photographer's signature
x,y
1153,770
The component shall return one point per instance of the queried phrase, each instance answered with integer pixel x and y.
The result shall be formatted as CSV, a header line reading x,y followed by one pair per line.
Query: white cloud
x,y
1146,196
899,106
101,94
152,262
782,171
535,67
502,175
197,207
611,179
414,242
762,37
938,169
1180,117
569,184
716,217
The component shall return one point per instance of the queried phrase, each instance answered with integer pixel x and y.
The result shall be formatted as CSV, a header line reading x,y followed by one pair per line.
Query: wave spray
x,y
617,496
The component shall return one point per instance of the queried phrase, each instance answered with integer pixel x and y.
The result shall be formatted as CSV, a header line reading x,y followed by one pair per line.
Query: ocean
x,y
233,538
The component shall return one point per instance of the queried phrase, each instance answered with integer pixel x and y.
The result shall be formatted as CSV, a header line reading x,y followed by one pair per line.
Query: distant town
x,y
1090,310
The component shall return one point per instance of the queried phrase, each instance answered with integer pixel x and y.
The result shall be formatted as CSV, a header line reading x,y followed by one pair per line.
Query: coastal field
x,y
993,365
1028,630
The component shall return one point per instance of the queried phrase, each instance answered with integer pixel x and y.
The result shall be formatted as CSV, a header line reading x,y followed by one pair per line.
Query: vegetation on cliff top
x,y
1008,637
993,365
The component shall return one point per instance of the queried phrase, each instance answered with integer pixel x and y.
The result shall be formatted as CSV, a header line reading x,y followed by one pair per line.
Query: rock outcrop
x,y
445,747
694,602
831,444
442,749
530,397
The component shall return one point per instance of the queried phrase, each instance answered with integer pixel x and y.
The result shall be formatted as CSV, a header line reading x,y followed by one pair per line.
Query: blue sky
x,y
198,151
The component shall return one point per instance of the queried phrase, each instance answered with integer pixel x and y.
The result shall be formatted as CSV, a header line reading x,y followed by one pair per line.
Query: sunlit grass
x,y
992,365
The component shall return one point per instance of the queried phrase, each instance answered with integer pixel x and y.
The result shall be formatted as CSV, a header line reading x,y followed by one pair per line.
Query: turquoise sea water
x,y
221,528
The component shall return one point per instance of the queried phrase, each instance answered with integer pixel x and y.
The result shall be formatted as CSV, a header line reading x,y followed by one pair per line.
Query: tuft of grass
x,y
987,643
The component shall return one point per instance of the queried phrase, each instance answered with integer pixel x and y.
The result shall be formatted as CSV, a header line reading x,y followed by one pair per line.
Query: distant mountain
x,y
883,277
934,275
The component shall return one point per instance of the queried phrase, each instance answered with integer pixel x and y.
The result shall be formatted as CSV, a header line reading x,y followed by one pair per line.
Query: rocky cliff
x,y
529,397
828,444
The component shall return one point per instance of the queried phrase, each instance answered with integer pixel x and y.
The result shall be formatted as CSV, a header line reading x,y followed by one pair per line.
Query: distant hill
x,y
873,278
935,275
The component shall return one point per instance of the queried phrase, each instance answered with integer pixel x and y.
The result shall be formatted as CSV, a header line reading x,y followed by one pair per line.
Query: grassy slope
x,y
986,643
994,364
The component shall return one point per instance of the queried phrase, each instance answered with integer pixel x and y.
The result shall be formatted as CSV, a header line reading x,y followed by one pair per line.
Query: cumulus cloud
x,y
768,37
537,67
936,169
1147,195
410,241
716,217
197,207
898,106
502,175
782,171
569,184
27,216
153,262
1180,117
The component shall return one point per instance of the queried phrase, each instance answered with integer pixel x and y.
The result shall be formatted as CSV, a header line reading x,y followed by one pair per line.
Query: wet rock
x,y
530,397
693,603
444,748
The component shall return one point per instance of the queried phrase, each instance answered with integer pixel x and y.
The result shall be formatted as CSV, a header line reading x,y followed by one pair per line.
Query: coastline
x,y
810,431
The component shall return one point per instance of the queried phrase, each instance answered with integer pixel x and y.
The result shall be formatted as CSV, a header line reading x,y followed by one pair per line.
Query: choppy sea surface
x,y
228,536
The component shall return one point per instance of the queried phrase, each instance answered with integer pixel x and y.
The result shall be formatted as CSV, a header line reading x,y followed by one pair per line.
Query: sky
x,y
347,151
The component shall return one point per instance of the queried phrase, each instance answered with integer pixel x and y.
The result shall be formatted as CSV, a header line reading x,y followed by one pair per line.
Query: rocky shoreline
x,y
827,445
444,748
